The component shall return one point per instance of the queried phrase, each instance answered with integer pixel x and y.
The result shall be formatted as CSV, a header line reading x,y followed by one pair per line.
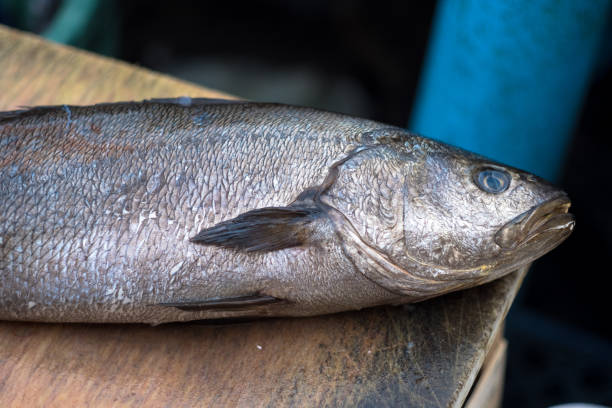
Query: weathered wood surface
x,y
421,355
489,388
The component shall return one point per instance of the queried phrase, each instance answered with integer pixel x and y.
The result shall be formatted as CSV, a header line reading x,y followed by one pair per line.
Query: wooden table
x,y
426,354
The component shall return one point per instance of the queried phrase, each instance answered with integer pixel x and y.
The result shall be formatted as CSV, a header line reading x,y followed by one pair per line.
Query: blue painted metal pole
x,y
506,79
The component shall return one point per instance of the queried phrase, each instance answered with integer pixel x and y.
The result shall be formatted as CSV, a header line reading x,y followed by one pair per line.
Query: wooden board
x,y
426,354
488,390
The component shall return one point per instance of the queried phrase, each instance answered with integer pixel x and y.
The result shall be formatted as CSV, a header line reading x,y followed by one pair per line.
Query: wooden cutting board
x,y
426,354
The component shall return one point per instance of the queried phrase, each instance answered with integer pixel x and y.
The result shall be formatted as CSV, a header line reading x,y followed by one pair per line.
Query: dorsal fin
x,y
33,110
188,101
181,101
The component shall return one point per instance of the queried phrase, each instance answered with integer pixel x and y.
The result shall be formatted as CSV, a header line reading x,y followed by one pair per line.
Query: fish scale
x,y
186,209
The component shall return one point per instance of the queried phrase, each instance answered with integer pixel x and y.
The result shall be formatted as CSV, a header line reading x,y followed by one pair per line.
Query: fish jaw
x,y
549,221
525,238
533,234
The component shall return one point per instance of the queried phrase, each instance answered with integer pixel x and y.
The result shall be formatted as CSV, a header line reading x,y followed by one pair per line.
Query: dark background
x,y
364,58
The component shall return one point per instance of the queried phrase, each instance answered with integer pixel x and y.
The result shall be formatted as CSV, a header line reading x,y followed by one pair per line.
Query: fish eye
x,y
492,180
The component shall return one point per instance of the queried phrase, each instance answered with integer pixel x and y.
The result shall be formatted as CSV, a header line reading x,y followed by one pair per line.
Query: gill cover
x,y
298,224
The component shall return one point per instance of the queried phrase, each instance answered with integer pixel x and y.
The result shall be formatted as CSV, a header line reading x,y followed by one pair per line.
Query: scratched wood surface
x,y
426,354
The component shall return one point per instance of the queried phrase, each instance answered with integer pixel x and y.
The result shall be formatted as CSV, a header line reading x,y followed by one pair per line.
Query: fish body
x,y
175,210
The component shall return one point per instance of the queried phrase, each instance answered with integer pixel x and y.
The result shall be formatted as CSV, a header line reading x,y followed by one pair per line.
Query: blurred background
x,y
421,65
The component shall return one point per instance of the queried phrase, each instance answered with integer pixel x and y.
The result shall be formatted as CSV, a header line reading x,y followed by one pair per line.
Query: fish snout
x,y
548,220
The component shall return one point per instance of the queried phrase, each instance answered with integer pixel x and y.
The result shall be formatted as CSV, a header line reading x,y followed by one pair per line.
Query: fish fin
x,y
264,229
25,111
182,101
188,101
233,303
274,228
10,114
32,110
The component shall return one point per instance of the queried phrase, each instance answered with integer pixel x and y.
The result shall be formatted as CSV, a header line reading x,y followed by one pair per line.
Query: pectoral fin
x,y
235,303
274,228
264,229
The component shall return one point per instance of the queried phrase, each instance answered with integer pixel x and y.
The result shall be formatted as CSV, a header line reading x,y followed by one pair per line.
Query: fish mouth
x,y
546,223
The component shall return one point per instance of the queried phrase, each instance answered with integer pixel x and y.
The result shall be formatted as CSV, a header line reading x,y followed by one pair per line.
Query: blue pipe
x,y
506,79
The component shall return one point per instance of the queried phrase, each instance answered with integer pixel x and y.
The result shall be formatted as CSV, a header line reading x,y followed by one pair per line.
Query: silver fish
x,y
181,209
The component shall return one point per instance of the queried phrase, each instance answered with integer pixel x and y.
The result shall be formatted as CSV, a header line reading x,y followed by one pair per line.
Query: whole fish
x,y
183,209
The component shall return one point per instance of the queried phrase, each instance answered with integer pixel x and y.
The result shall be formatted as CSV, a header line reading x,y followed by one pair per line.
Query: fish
x,y
188,209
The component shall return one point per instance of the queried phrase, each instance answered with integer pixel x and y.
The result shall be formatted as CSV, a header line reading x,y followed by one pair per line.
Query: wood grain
x,y
36,72
488,391
426,354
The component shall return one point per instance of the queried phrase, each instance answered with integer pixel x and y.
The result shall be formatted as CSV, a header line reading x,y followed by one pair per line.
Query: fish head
x,y
433,218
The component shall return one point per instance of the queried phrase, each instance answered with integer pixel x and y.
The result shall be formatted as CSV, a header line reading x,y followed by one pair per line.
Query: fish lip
x,y
550,216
